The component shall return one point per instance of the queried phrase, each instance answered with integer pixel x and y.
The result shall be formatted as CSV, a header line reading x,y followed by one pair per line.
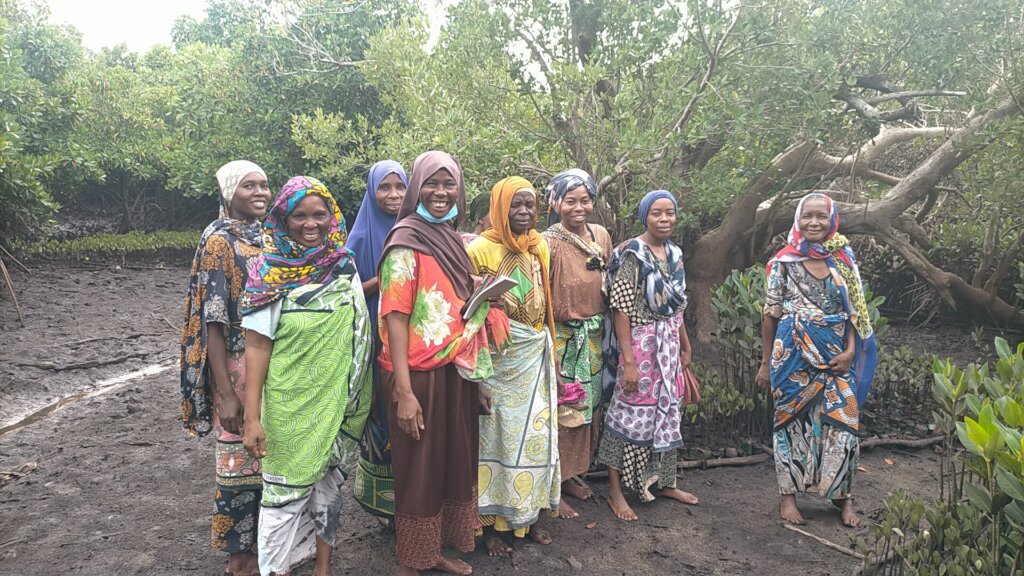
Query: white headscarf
x,y
228,178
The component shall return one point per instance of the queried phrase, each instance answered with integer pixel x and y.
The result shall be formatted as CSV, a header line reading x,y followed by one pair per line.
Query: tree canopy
x,y
909,113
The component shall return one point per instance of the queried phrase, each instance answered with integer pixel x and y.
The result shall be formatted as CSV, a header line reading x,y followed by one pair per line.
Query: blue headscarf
x,y
371,228
645,204
561,183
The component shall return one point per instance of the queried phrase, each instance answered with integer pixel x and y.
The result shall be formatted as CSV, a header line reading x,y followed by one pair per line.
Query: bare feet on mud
x,y
540,535
497,547
577,489
242,564
621,509
680,496
565,511
846,511
454,566
789,512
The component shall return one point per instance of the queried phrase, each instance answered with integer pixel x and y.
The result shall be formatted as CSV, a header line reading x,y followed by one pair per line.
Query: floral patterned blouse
x,y
414,283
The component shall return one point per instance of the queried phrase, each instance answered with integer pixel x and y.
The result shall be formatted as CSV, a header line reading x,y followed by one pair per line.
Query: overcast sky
x,y
141,23
138,23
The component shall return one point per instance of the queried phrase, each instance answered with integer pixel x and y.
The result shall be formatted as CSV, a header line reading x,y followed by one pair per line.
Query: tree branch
x,y
875,100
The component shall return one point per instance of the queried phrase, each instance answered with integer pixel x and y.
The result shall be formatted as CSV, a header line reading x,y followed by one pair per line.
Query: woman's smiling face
x,y
815,219
309,221
439,192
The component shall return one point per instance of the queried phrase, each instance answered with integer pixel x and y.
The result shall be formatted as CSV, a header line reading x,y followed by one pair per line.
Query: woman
x,y
213,357
519,472
308,359
819,358
579,256
429,360
647,296
385,188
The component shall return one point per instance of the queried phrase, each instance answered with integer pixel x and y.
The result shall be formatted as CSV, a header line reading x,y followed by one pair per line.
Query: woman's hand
x,y
685,358
254,440
231,413
485,401
630,378
410,416
763,378
841,362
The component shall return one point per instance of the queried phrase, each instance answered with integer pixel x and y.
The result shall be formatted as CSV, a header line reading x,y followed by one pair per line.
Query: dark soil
x,y
119,489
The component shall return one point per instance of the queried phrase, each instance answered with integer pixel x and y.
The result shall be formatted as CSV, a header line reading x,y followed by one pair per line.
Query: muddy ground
x,y
119,489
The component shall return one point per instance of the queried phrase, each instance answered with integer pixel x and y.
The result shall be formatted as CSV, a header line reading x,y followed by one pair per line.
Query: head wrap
x,y
371,228
531,241
837,254
645,204
441,241
561,183
228,177
285,264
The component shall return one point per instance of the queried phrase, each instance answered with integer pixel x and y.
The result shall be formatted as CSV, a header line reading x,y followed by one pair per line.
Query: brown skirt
x,y
435,476
577,446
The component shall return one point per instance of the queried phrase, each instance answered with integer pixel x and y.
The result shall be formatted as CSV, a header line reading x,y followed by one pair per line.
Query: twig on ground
x,y
81,365
16,261
10,286
15,541
872,567
700,464
921,443
169,325
821,540
98,338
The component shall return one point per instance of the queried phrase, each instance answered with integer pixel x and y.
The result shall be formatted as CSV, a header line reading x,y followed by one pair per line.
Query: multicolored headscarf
x,y
561,183
836,252
228,177
285,264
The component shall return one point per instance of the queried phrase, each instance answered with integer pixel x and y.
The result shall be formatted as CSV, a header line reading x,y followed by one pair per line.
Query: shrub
x,y
113,246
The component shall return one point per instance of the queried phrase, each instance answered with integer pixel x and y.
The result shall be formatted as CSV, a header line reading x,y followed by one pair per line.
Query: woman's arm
x,y
257,360
410,415
370,286
685,352
631,376
229,407
840,363
769,325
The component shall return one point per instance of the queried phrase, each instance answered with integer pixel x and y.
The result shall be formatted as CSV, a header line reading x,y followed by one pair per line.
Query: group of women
x,y
302,341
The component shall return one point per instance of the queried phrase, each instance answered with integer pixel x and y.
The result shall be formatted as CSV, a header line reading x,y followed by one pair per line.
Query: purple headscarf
x,y
371,228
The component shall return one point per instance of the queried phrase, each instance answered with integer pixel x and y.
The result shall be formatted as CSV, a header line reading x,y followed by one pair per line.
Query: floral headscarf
x,y
285,264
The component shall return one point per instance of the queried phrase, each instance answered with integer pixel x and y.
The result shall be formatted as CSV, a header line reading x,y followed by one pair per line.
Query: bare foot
x,y
497,547
540,535
621,508
788,510
679,495
454,566
566,511
848,514
577,489
242,564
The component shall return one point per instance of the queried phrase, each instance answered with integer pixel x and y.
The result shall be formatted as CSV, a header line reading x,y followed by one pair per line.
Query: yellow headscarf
x,y
500,232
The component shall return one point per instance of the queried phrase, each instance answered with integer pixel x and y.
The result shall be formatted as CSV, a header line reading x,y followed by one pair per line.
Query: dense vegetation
x,y
907,112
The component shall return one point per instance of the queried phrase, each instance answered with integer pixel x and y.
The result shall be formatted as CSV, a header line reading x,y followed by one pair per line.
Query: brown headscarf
x,y
441,241
500,232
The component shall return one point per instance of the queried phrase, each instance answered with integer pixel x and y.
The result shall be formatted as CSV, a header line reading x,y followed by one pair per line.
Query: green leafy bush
x,y
977,527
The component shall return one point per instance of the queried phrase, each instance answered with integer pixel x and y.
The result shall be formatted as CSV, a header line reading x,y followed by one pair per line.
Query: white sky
x,y
141,24
138,23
